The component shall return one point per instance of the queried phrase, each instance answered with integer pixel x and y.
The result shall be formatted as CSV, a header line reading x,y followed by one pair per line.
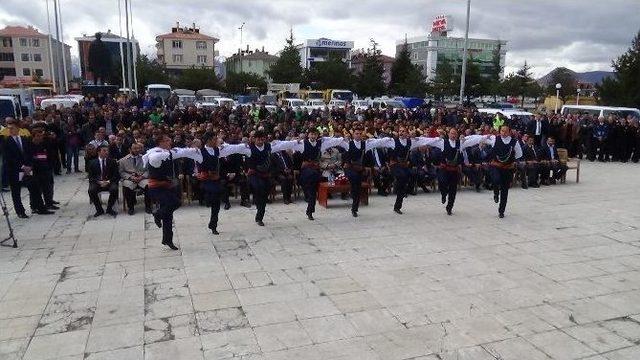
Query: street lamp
x,y
578,97
558,87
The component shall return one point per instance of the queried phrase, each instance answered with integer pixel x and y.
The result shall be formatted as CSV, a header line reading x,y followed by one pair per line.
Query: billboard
x,y
329,43
439,24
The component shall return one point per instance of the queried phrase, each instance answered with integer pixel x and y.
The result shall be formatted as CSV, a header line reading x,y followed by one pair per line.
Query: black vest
x,y
355,155
310,152
259,160
164,171
504,153
401,152
451,155
210,162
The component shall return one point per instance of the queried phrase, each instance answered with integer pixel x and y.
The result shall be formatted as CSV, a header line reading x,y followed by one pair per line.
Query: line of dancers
x,y
159,161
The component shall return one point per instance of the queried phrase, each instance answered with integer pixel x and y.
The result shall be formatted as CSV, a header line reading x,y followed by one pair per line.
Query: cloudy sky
x,y
582,35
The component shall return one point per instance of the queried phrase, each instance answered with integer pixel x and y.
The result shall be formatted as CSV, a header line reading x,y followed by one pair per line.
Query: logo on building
x,y
439,24
324,42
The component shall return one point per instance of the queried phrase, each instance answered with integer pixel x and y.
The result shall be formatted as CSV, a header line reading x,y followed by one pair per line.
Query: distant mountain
x,y
589,77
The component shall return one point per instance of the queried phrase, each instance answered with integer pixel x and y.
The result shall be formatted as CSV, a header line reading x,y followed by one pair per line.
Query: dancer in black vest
x,y
451,161
401,165
353,162
159,162
209,174
505,151
310,174
259,168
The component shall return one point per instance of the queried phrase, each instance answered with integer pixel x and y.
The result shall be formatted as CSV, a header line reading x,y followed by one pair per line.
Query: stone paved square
x,y
558,278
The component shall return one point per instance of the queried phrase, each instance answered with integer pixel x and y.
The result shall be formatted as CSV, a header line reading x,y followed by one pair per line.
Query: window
x,y
39,72
7,71
177,44
6,42
37,57
26,72
23,42
35,42
161,58
201,44
6,56
177,58
24,57
202,59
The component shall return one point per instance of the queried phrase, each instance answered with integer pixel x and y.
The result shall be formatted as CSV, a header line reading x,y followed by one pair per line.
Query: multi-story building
x,y
24,52
357,64
116,45
429,51
249,61
318,50
184,48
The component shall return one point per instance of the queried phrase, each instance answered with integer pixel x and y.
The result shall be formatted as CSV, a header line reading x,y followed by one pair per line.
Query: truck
x,y
337,94
9,107
311,94
162,91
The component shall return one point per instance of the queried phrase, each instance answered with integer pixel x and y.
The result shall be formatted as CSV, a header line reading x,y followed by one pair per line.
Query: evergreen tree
x,y
524,81
150,72
197,78
333,73
287,69
370,81
406,77
445,82
237,83
494,83
623,89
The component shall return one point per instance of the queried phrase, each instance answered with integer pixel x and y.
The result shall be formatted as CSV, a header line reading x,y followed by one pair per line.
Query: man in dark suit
x,y
551,163
282,173
118,149
539,129
18,155
531,155
423,171
382,177
103,176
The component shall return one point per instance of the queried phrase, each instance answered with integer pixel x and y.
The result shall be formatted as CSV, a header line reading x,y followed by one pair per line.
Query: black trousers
x,y
286,185
448,184
130,197
355,179
34,194
402,176
44,184
382,180
212,192
168,201
474,174
95,189
310,180
260,187
501,180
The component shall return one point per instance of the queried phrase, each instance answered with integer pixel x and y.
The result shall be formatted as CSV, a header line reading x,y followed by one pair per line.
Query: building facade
x,y
429,51
249,61
24,53
318,50
184,48
116,45
358,60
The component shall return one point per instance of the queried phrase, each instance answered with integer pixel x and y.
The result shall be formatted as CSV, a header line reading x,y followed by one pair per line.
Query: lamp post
x,y
464,55
578,97
558,87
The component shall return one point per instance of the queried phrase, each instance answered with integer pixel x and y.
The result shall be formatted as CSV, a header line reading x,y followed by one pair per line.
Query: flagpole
x,y
51,66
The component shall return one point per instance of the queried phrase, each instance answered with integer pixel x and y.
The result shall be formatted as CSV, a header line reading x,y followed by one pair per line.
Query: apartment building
x,y
185,47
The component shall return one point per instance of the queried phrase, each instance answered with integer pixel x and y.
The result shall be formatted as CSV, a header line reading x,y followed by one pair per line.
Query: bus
x,y
598,111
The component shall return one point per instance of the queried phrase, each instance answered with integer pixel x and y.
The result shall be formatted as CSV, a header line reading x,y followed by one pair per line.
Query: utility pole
x,y
240,52
52,67
124,81
129,71
55,14
464,54
64,57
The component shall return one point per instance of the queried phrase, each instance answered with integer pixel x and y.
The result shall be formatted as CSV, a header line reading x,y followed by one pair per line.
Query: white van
x,y
159,90
293,102
9,107
598,111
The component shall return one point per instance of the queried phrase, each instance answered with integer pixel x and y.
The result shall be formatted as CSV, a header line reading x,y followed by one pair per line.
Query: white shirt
x,y
157,155
370,144
467,141
18,141
506,140
326,143
538,127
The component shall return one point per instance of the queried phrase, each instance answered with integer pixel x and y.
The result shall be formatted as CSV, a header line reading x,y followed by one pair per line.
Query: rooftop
x,y
192,33
15,31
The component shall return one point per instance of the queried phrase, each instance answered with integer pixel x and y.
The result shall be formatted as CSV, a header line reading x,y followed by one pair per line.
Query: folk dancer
x,y
162,185
505,151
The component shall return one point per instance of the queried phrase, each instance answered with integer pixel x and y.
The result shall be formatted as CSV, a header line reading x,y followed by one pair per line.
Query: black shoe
x,y
23,216
77,171
287,201
68,172
398,211
245,204
383,193
553,181
260,223
112,213
354,213
52,207
131,211
501,215
214,231
148,210
425,189
448,211
444,198
157,220
524,186
310,217
412,193
227,206
496,198
98,213
478,188
171,246
43,212
55,202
